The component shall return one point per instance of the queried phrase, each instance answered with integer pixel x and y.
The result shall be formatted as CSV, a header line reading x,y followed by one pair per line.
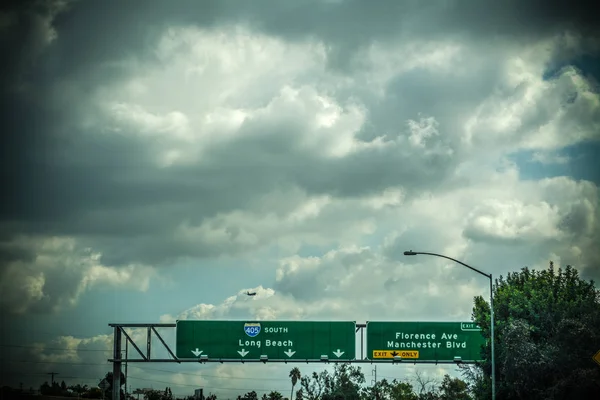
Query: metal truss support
x,y
292,361
116,383
118,360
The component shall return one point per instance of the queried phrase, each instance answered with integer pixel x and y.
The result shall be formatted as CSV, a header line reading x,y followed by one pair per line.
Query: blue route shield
x,y
252,329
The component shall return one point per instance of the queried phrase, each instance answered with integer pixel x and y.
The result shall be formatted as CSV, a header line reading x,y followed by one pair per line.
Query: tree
x,y
546,333
45,389
153,395
52,390
80,390
454,389
314,386
394,390
249,396
345,382
402,391
294,376
274,395
93,393
426,386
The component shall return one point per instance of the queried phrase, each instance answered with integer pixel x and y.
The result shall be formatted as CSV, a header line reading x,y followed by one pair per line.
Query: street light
x,y
489,276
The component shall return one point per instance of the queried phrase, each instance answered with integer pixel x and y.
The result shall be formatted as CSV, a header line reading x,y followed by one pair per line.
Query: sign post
x,y
425,341
275,340
104,385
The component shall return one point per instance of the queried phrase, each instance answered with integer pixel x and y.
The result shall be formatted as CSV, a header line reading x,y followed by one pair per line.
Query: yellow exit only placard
x,y
394,353
597,357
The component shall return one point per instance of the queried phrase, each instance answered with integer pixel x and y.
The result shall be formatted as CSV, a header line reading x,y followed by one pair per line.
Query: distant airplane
x,y
251,294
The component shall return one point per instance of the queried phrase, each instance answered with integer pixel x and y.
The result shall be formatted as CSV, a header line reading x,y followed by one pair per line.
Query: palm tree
x,y
295,376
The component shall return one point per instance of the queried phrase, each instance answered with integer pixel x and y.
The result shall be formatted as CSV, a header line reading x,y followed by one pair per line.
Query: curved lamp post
x,y
489,276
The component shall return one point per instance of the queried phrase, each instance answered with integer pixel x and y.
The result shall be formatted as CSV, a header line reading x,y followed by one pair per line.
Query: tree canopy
x,y
547,328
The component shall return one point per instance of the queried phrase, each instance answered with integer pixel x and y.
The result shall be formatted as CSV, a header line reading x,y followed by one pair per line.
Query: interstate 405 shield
x,y
424,341
278,340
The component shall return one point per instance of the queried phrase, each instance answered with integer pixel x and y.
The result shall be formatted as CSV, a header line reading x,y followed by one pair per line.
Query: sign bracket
x,y
132,343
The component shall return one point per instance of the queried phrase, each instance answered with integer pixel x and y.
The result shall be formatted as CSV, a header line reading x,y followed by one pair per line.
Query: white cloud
x,y
52,273
514,221
549,158
528,112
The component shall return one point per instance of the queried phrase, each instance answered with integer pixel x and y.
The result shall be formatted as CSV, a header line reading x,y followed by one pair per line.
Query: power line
x,y
201,375
51,348
170,383
55,362
211,387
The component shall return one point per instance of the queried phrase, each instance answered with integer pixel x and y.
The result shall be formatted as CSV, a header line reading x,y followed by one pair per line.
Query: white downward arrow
x,y
243,353
338,353
289,353
197,352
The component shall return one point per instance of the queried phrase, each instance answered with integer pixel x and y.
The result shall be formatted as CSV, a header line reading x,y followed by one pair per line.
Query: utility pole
x,y
490,277
52,373
374,371
126,364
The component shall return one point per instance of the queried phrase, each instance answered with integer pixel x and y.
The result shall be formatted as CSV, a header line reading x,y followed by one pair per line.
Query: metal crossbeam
x,y
240,361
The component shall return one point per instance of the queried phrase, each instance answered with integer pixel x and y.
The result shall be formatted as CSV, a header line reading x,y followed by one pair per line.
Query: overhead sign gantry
x,y
304,341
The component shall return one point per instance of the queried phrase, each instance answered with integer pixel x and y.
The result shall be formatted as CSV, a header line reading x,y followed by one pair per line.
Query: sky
x,y
162,158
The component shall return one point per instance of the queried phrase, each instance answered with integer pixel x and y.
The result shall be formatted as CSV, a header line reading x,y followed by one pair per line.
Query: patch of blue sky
x,y
588,64
580,162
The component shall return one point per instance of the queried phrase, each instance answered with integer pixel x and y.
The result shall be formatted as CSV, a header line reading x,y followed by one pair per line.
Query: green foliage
x,y
454,389
274,395
159,394
93,393
295,376
249,396
153,395
547,329
345,383
394,390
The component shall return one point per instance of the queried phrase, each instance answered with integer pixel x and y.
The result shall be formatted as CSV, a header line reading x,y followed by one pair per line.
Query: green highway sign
x,y
278,340
425,341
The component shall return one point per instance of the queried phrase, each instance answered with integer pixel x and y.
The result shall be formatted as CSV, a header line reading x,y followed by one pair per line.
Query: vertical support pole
x,y
126,364
149,342
492,339
116,383
362,356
